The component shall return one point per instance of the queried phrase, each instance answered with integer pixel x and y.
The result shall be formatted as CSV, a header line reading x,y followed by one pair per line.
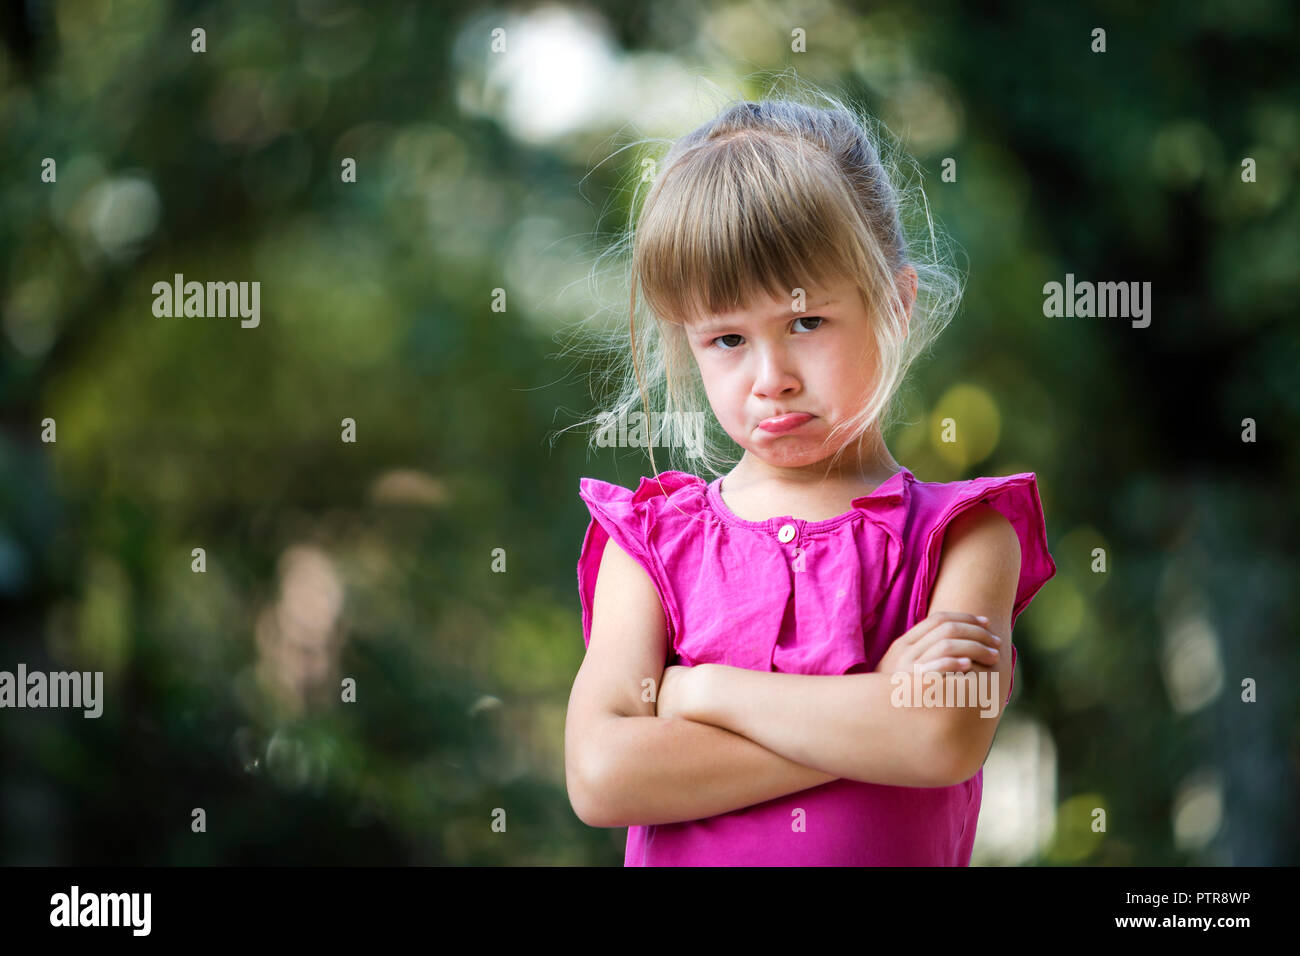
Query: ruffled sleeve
x,y
1016,497
623,515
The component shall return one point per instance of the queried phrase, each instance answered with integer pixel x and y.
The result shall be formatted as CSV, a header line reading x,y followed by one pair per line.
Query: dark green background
x,y
376,305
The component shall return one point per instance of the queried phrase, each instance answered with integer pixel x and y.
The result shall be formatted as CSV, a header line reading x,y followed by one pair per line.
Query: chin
x,y
797,455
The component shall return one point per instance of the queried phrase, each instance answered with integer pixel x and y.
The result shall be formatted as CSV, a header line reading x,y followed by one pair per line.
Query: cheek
x,y
723,401
851,372
726,398
719,383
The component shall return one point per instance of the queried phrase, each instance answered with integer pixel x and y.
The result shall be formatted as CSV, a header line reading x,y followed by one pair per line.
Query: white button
x,y
787,533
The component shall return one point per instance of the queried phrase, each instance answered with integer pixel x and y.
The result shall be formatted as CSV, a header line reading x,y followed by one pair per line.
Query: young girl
x,y
772,654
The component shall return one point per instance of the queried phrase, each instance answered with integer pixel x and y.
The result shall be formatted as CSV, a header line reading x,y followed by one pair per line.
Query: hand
x,y
945,641
675,687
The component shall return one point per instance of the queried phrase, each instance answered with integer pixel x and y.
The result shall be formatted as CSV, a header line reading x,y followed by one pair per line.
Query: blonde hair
x,y
770,196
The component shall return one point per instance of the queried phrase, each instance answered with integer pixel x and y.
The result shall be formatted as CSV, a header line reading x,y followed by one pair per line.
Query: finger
x,y
957,665
953,647
952,631
939,618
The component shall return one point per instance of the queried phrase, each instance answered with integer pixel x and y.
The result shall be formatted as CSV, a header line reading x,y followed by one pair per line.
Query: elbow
x,y
588,796
596,776
953,759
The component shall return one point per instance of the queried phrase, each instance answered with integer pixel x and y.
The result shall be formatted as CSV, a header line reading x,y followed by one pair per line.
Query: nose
x,y
775,377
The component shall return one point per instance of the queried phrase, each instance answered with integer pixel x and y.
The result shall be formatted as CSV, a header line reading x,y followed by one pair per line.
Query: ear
x,y
907,284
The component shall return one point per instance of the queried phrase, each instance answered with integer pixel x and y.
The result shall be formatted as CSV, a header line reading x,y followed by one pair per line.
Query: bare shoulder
x,y
982,531
629,637
979,565
628,646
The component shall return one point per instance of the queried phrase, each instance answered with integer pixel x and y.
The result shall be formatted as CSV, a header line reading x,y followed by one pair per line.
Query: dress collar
x,y
888,504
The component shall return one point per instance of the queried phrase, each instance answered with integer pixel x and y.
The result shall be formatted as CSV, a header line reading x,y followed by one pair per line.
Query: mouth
x,y
784,423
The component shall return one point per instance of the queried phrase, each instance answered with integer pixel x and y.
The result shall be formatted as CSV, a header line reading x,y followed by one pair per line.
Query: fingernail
x,y
996,638
981,618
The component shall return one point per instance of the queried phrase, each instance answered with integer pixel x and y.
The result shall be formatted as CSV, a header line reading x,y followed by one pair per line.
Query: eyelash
x,y
713,344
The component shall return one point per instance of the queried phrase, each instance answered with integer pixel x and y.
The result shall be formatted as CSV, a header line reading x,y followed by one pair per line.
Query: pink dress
x,y
805,597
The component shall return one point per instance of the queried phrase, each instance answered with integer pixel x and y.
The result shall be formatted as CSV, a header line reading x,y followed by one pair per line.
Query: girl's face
x,y
780,380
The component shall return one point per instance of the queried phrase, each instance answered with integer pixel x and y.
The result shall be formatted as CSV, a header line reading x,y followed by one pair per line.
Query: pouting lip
x,y
798,419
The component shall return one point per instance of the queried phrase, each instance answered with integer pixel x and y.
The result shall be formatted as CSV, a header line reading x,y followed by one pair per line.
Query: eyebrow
x,y
706,325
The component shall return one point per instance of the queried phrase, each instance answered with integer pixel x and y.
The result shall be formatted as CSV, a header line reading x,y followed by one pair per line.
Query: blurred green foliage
x,y
373,560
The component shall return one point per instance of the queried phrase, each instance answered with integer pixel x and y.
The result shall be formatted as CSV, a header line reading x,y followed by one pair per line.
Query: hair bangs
x,y
738,219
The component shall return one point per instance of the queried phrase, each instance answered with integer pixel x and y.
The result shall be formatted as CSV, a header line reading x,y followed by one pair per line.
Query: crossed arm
x,y
743,737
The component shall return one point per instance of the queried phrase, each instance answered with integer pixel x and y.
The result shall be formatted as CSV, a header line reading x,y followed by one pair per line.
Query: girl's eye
x,y
727,348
